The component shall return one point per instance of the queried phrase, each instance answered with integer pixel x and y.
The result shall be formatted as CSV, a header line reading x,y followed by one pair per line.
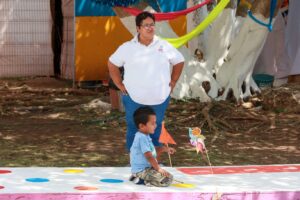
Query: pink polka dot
x,y
1,187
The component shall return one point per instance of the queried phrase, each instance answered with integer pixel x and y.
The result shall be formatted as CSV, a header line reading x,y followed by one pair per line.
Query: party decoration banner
x,y
178,42
168,15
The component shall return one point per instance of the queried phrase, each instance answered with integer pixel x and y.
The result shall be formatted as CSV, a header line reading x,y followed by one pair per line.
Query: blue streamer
x,y
272,13
113,3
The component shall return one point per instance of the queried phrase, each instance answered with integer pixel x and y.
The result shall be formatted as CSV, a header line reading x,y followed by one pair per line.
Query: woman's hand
x,y
172,85
122,88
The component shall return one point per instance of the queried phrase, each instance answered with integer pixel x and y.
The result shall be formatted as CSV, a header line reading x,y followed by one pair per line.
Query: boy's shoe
x,y
138,181
132,177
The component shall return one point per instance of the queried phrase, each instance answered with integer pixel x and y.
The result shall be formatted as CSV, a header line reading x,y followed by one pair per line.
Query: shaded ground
x,y
44,122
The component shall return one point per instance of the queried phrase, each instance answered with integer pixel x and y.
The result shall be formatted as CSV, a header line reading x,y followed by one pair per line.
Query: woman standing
x,y
151,69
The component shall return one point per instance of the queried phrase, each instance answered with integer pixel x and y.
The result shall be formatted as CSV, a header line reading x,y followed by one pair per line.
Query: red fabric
x,y
169,15
241,169
285,3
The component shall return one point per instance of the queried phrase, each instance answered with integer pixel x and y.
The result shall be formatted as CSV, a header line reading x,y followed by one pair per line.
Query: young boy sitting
x,y
144,166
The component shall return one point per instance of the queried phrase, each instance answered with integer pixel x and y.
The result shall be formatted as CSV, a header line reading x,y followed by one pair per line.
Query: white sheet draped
x,y
293,37
281,53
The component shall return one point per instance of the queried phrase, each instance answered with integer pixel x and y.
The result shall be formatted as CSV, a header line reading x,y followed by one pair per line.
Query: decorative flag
x,y
197,139
165,137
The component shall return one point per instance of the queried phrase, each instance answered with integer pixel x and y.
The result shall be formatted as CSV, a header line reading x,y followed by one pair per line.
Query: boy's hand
x,y
170,150
163,172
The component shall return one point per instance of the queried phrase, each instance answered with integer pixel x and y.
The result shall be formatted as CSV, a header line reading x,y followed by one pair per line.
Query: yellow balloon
x,y
178,42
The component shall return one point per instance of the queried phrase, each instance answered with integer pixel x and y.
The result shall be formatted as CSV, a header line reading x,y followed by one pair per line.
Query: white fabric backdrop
x,y
281,53
293,36
67,54
25,38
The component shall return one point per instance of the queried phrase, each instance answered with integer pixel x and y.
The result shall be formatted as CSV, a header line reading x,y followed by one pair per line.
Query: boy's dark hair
x,y
141,115
143,15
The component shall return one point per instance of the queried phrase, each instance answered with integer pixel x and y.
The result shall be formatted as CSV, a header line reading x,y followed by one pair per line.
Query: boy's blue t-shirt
x,y
142,143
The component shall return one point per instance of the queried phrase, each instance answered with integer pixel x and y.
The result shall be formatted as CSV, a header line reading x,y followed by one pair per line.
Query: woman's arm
x,y
176,72
115,75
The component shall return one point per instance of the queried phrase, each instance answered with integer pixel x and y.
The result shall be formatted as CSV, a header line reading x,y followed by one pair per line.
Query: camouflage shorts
x,y
152,177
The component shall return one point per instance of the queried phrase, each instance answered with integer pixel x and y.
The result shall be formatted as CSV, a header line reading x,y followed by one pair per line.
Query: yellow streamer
x,y
178,42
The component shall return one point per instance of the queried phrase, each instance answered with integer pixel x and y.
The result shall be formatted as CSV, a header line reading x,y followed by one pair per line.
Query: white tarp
x,y
25,38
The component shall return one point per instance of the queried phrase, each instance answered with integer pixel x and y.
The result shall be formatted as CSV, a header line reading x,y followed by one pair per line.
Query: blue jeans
x,y
130,106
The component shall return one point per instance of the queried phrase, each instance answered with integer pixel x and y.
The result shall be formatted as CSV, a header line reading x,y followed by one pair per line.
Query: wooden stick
x,y
218,195
181,182
212,172
169,155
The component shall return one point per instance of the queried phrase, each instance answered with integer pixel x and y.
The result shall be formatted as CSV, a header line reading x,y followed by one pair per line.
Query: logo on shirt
x,y
161,49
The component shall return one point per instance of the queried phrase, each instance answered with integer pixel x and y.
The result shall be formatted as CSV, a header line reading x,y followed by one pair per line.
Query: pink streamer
x,y
169,15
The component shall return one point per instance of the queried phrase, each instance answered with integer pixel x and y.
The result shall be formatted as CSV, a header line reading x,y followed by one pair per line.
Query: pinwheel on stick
x,y
197,140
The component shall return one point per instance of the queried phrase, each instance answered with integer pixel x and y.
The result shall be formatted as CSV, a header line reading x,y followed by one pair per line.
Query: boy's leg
x,y
153,177
160,114
130,106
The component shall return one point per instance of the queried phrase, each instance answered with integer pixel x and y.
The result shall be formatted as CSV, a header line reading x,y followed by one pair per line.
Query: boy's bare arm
x,y
154,163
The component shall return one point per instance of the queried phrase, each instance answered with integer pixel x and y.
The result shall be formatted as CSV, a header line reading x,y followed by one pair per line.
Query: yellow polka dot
x,y
73,171
184,185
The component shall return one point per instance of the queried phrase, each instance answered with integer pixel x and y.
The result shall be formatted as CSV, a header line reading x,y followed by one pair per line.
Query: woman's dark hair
x,y
142,16
141,115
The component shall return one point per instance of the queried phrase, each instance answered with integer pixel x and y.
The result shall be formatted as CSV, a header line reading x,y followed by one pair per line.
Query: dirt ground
x,y
44,122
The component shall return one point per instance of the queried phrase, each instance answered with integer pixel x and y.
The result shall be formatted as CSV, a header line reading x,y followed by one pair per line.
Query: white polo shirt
x,y
147,69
